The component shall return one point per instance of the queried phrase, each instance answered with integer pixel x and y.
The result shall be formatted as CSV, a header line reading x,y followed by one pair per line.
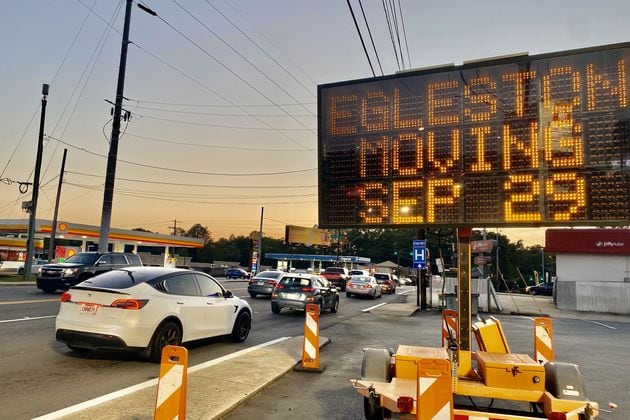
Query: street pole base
x,y
299,368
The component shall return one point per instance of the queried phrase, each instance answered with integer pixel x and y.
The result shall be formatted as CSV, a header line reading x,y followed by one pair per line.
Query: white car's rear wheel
x,y
167,334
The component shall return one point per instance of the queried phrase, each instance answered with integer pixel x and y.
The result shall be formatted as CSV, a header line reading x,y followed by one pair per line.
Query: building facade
x,y
593,269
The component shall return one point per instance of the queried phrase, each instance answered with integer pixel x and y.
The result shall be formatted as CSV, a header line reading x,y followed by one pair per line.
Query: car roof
x,y
156,271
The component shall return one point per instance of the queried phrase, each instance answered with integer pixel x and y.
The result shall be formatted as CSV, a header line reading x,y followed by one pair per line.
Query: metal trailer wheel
x,y
375,367
373,410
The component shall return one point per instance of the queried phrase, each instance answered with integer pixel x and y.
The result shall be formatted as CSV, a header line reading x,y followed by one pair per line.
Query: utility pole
x,y
51,247
30,246
260,238
174,227
110,176
421,297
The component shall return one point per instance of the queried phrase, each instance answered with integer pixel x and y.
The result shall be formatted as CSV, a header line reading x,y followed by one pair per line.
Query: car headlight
x,y
69,272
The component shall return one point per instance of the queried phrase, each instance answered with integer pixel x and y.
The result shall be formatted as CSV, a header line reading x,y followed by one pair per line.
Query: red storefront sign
x,y
588,241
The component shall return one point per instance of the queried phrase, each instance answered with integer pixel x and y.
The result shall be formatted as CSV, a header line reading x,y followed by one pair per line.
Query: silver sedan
x,y
363,286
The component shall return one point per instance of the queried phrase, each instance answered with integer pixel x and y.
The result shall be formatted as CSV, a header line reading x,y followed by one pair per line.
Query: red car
x,y
386,280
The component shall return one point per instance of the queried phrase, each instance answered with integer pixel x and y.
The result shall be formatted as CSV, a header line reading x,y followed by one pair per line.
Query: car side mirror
x,y
228,294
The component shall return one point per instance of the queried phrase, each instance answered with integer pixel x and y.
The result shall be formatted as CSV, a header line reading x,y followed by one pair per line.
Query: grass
x,y
13,277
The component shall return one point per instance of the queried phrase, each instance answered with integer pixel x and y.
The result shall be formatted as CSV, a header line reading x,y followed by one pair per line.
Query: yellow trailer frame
x,y
427,379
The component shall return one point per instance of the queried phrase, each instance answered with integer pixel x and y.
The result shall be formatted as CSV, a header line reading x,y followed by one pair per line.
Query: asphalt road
x,y
40,375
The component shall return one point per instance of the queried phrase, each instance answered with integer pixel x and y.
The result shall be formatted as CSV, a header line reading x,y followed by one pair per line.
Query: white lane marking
x,y
603,325
152,382
20,302
373,307
28,318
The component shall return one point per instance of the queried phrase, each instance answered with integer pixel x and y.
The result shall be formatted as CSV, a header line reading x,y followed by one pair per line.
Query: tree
x,y
200,232
139,229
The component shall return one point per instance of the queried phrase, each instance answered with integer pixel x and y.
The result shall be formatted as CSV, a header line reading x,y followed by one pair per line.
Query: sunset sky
x,y
222,95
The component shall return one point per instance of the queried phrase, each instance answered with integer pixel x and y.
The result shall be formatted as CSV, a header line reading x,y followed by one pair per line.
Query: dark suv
x,y
296,290
80,267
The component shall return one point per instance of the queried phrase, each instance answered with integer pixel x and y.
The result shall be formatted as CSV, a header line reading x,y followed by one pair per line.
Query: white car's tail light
x,y
129,303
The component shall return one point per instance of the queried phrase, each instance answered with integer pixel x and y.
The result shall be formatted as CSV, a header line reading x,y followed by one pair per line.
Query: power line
x,y
96,53
261,49
396,30
391,33
233,127
184,170
218,114
404,33
240,106
257,203
172,67
180,184
187,76
254,88
227,44
356,25
371,38
211,146
271,42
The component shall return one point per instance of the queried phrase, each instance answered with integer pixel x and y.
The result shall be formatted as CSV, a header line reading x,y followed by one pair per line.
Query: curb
x,y
236,380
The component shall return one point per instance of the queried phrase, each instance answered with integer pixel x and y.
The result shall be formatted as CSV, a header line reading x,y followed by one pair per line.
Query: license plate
x,y
294,296
89,309
260,283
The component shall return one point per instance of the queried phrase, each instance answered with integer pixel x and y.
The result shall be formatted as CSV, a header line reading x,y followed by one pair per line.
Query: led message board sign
x,y
523,141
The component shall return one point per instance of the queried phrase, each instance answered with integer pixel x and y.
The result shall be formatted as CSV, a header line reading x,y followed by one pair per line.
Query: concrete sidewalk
x,y
213,388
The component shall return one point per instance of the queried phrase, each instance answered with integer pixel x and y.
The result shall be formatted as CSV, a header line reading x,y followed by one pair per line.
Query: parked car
x,y
263,283
363,286
143,309
35,266
296,290
236,273
540,289
388,285
80,267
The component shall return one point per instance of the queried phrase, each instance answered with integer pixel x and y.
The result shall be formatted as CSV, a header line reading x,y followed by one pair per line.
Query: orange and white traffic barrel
x,y
434,394
171,395
543,340
310,348
449,326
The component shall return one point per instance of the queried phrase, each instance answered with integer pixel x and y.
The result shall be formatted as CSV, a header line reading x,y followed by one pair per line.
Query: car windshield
x,y
381,277
295,282
83,259
360,279
334,270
